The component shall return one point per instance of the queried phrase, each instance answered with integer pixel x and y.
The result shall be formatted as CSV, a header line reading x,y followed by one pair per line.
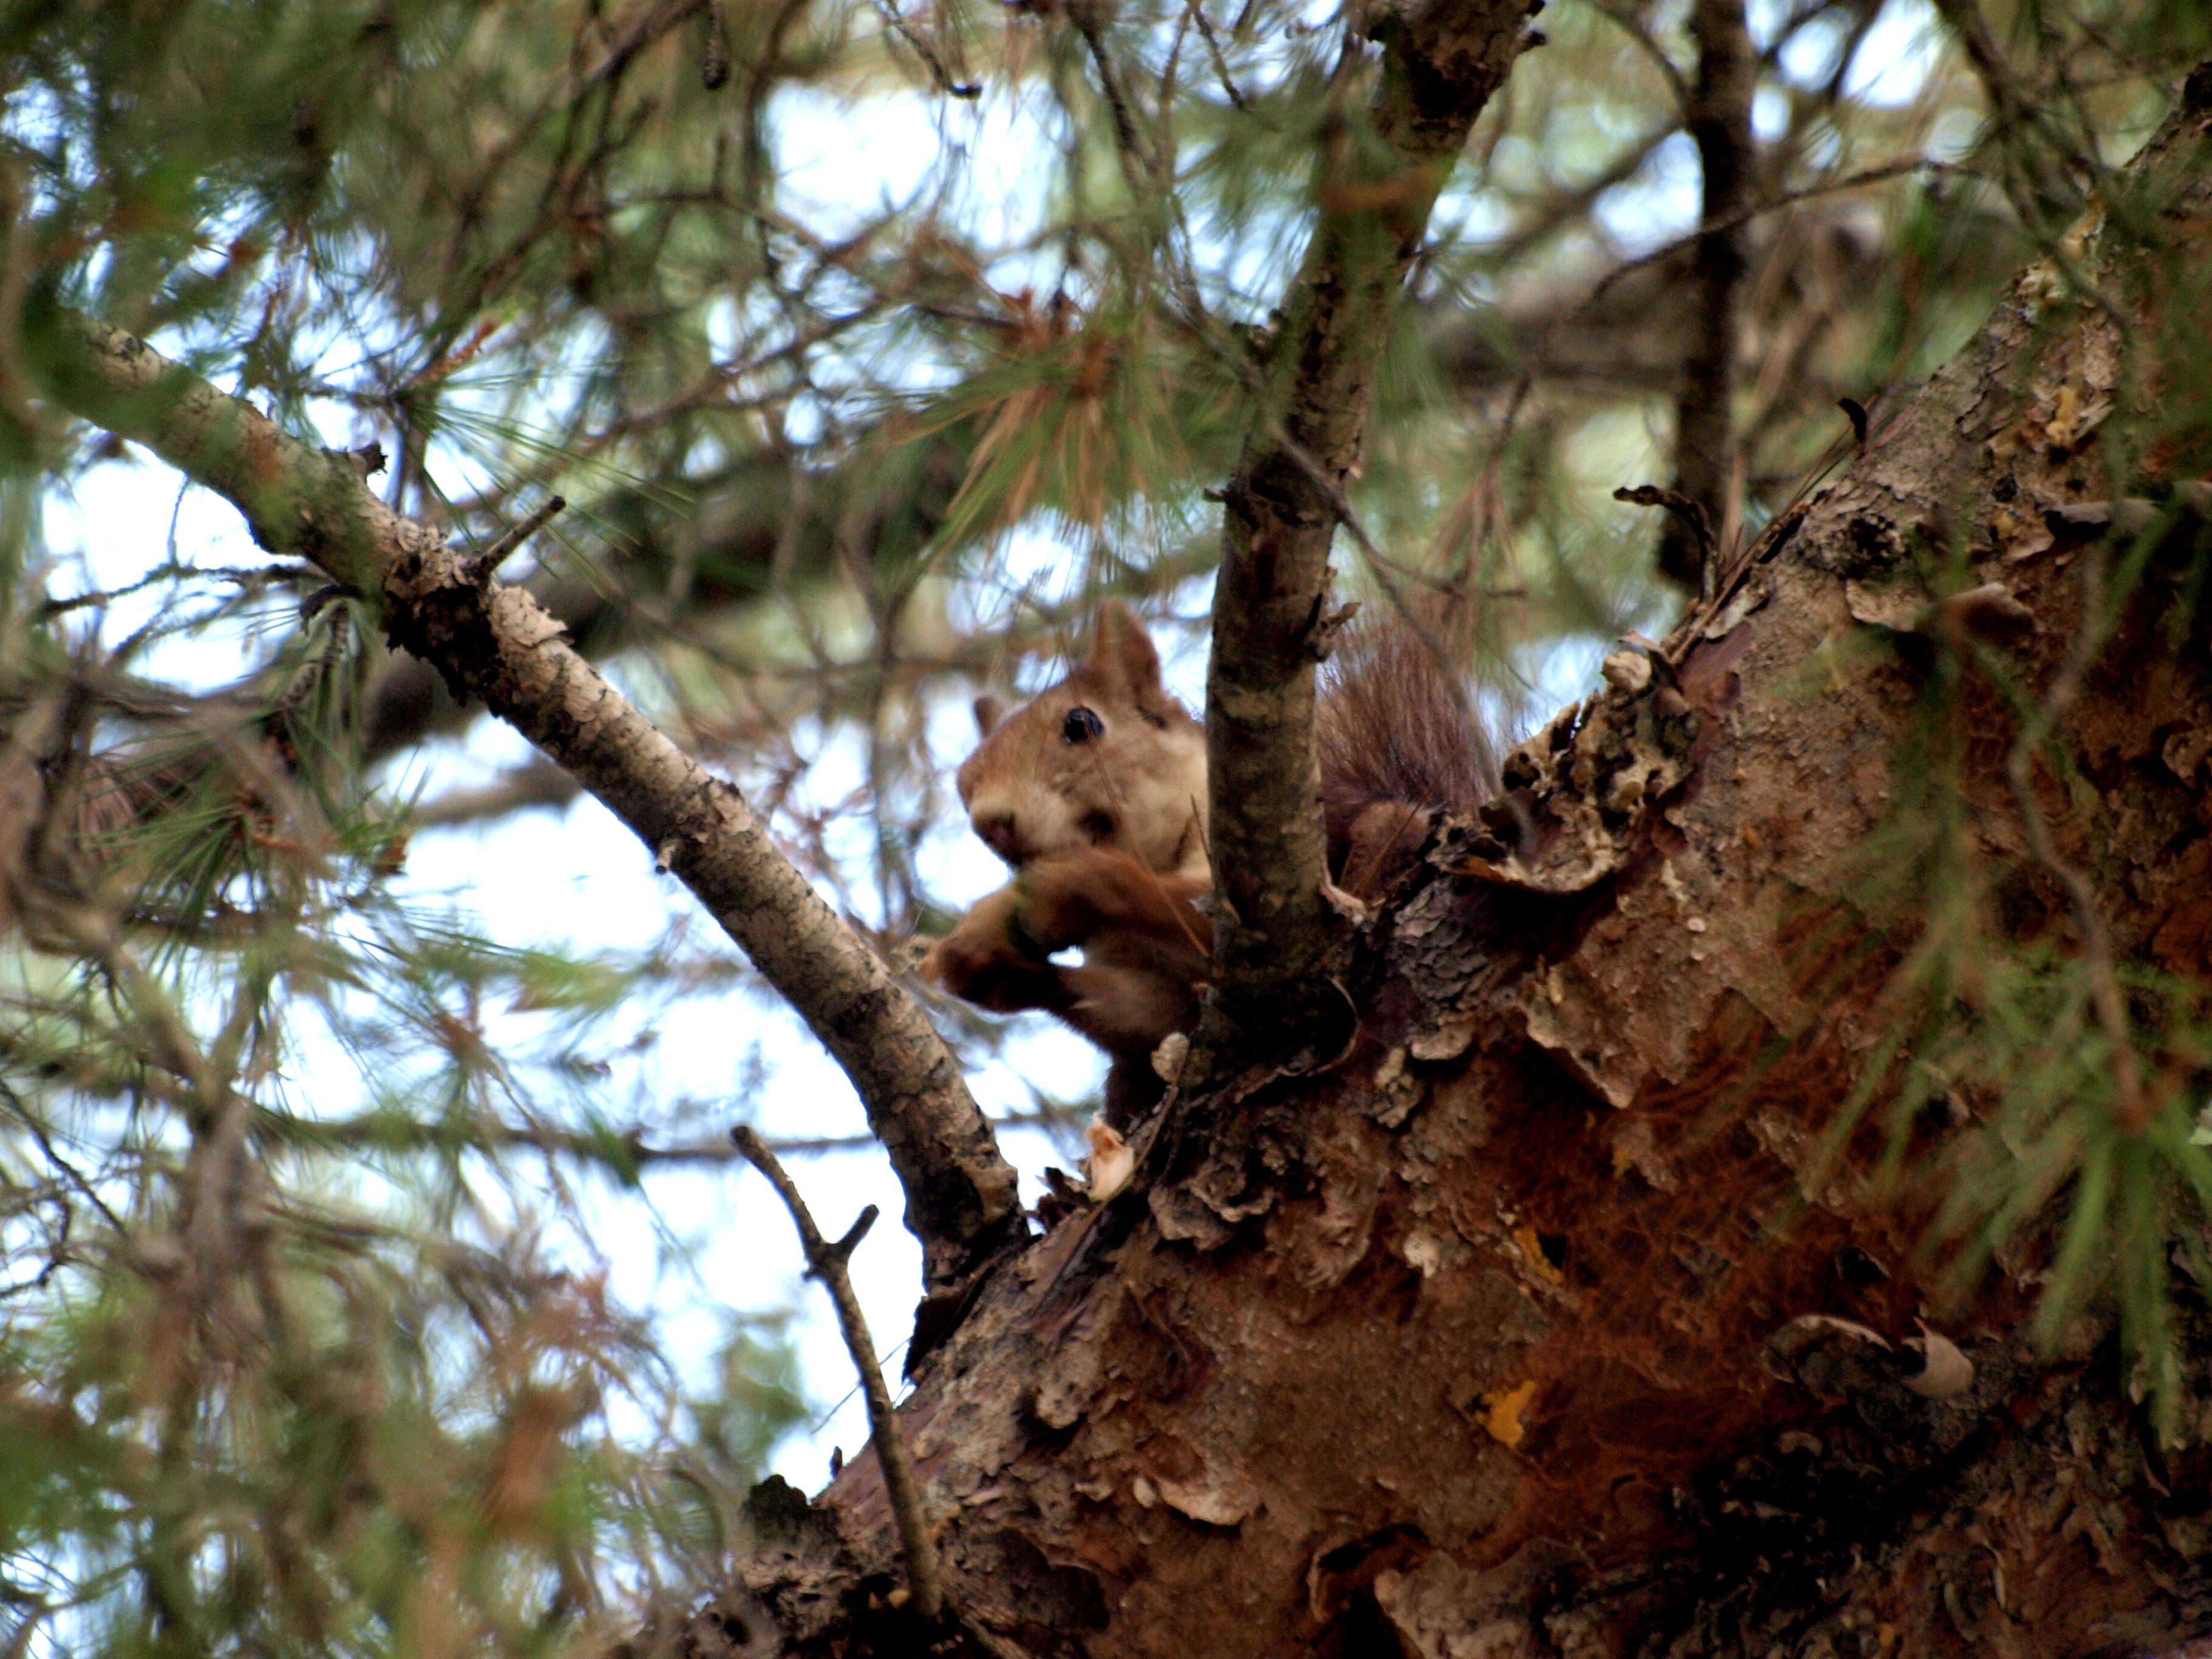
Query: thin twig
x,y
1085,19
1220,62
647,25
1690,512
826,1261
536,782
246,576
481,565
1379,564
626,1146
1719,118
947,81
1775,204
75,1177
1760,549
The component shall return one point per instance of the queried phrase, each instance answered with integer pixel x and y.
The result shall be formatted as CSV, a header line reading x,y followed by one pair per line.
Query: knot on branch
x,y
367,461
442,604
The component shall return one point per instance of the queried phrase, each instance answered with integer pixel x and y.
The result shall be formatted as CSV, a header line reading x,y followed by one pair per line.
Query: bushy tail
x,y
1399,741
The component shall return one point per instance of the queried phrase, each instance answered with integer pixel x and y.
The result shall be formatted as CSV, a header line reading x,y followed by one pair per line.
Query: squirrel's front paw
x,y
990,959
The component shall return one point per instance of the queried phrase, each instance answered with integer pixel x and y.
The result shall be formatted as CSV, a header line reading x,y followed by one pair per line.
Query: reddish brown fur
x,y
1139,785
1398,745
1108,833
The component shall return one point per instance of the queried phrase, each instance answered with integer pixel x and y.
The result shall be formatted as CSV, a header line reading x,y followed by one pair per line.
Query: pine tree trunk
x,y
1479,1329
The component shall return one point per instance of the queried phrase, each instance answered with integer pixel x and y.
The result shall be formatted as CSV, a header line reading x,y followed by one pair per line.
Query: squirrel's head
x,y
1105,758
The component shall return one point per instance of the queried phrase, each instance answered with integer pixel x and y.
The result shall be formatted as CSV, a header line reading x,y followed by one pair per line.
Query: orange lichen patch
x,y
1501,1413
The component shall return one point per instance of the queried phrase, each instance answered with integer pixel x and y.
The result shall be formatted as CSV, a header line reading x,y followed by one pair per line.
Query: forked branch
x,y
826,1261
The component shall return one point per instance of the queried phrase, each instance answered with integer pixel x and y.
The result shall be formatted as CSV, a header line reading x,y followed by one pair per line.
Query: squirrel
x,y
1095,793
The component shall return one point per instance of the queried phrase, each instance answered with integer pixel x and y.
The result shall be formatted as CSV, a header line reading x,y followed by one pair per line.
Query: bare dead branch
x,y
826,1262
1441,62
494,642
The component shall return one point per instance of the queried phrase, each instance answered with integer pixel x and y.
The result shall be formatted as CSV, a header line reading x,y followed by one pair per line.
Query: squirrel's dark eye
x,y
1081,725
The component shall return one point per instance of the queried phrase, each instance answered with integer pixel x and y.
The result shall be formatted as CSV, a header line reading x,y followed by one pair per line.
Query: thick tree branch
x,y
495,642
1549,1320
1720,122
1441,62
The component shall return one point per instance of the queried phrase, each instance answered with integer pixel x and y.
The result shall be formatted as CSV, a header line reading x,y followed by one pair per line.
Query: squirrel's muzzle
x,y
999,833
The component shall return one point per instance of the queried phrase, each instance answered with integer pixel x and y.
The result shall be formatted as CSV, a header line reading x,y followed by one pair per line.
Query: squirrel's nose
x,y
997,830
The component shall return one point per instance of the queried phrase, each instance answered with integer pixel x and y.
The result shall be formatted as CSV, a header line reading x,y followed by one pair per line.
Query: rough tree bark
x,y
495,643
1487,1340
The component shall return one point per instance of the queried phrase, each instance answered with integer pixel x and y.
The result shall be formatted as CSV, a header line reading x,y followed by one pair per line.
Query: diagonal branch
x,y
494,642
1440,61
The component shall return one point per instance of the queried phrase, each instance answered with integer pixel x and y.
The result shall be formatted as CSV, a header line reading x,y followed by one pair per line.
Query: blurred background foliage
x,y
871,341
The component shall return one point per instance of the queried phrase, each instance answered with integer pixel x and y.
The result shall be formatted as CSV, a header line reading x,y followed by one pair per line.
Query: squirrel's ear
x,y
989,711
1122,652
